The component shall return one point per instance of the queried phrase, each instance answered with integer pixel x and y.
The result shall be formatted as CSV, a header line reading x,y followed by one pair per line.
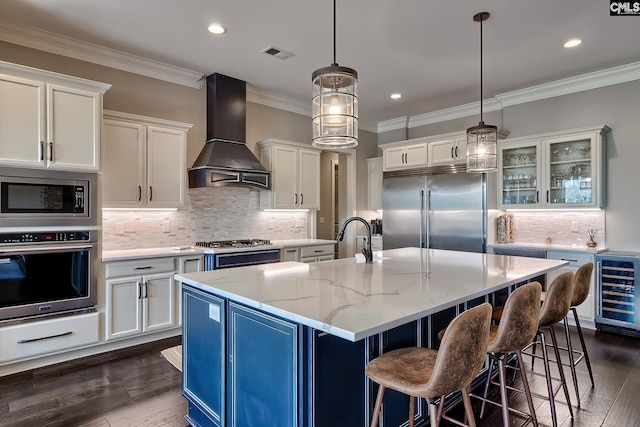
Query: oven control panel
x,y
44,237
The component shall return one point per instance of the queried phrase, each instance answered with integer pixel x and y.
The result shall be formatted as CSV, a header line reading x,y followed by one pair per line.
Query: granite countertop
x,y
129,254
356,300
551,247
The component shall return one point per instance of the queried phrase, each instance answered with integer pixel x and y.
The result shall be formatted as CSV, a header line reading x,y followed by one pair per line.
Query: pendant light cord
x,y
334,31
481,120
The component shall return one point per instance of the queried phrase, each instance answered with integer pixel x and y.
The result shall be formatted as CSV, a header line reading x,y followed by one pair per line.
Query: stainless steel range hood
x,y
225,158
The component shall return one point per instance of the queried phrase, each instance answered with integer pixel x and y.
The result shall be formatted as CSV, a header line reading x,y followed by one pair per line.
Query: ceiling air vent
x,y
277,52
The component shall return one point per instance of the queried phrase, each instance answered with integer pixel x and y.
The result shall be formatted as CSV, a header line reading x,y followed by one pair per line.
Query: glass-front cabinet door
x,y
570,171
519,183
553,170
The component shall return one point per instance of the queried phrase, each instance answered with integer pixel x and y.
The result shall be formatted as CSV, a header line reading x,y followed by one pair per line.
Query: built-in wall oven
x,y
48,242
47,272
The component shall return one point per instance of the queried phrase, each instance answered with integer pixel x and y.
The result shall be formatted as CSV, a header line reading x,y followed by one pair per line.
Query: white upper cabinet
x,y
448,150
405,154
295,175
48,120
144,161
554,170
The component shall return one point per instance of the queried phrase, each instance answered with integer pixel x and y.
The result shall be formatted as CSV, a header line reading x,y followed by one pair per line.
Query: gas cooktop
x,y
247,243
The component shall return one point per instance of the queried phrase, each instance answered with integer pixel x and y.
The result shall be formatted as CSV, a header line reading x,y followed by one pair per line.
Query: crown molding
x,y
46,41
65,46
580,83
458,112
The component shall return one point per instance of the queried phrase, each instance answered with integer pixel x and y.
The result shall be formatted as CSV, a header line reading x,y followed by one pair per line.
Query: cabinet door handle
x,y
139,192
41,150
150,193
547,196
456,151
50,151
44,338
145,289
301,199
452,152
296,202
139,290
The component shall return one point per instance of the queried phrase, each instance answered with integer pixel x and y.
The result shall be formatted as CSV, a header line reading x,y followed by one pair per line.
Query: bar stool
x,y
432,374
554,308
517,328
581,284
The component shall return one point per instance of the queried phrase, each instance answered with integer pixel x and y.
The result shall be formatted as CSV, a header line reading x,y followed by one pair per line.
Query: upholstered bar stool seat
x,y
432,374
517,328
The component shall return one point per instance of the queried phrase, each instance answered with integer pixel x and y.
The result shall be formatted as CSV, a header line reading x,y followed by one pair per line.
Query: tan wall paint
x,y
130,93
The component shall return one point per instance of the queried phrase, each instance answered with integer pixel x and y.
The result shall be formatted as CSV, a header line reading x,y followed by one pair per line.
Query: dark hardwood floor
x,y
138,387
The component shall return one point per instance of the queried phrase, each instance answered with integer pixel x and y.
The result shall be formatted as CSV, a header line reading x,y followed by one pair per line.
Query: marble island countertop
x,y
356,300
128,254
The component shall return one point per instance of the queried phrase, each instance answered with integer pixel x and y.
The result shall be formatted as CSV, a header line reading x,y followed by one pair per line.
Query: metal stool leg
x,y
547,371
527,390
572,363
486,386
468,410
412,409
584,347
563,380
376,409
503,392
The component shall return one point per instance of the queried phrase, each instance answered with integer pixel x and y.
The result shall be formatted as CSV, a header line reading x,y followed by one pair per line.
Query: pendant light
x,y
482,140
335,103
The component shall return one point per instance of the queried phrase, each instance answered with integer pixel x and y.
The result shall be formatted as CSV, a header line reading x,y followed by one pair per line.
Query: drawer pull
x,y
143,268
318,251
44,338
570,260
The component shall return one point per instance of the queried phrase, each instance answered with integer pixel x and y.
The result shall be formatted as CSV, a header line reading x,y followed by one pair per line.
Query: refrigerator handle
x,y
423,239
598,290
428,231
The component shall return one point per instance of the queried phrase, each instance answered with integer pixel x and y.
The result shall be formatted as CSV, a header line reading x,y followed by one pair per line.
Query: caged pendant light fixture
x,y
482,140
335,103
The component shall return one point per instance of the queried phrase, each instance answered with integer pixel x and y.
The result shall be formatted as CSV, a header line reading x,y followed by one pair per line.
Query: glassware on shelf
x,y
584,152
555,156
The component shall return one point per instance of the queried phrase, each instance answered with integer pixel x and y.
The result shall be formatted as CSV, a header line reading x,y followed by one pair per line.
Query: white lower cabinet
x,y
586,310
186,264
319,253
308,254
46,337
140,297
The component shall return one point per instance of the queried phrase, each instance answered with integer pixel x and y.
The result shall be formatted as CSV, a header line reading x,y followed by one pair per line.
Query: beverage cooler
x,y
617,305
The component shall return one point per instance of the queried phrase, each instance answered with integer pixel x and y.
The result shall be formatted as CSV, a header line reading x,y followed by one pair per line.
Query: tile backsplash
x,y
564,227
220,213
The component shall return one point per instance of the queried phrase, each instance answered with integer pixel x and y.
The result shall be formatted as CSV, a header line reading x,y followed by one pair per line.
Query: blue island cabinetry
x,y
244,367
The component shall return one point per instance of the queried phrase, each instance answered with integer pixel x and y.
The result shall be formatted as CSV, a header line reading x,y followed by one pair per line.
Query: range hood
x,y
225,158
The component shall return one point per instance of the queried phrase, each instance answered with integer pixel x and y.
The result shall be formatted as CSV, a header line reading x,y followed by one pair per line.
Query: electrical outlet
x,y
166,226
575,226
321,220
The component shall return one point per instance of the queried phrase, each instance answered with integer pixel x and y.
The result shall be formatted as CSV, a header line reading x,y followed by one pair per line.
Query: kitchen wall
x,y
616,106
223,213
146,96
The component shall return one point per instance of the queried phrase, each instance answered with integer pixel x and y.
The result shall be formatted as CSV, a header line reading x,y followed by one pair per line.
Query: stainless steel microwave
x,y
45,198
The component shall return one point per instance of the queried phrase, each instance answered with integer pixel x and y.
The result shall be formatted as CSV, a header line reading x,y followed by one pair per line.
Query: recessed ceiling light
x,y
573,43
396,95
216,28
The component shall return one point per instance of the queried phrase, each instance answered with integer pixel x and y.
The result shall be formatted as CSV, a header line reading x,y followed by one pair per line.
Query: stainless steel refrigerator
x,y
437,210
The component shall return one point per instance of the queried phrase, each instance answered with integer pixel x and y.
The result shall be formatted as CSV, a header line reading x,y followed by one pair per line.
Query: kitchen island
x,y
286,344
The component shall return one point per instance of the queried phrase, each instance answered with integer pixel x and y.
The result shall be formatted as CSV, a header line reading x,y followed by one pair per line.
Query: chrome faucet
x,y
366,250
